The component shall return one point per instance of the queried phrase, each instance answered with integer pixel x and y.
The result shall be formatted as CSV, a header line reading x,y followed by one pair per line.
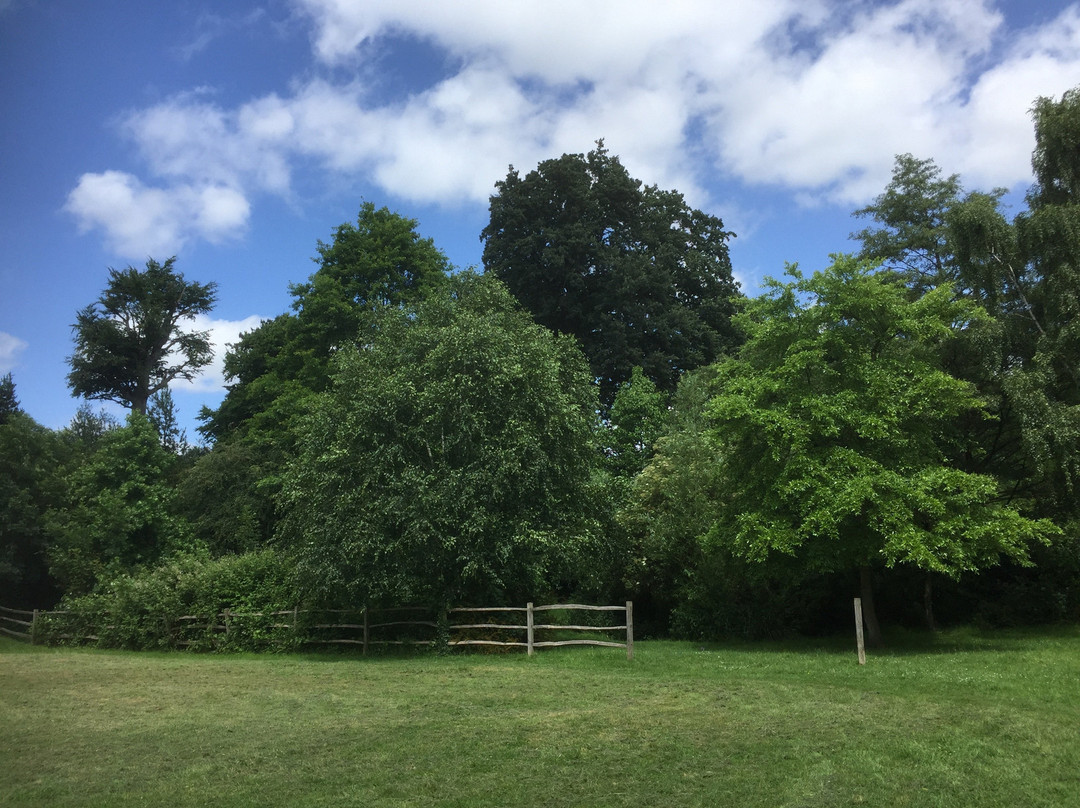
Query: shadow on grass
x,y
907,642
899,642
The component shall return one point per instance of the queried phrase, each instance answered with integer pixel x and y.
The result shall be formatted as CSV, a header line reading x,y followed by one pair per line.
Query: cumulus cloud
x,y
138,220
814,96
811,96
223,333
10,349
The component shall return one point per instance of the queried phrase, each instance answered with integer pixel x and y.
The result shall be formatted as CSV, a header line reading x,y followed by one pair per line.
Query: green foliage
x,y
220,497
162,414
30,484
637,419
639,277
672,503
912,234
380,261
832,425
451,460
1025,275
1056,159
129,343
9,404
276,369
117,514
87,427
140,610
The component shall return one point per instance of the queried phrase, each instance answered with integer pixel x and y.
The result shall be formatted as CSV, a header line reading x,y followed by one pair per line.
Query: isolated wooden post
x,y
529,627
629,629
858,631
227,617
33,628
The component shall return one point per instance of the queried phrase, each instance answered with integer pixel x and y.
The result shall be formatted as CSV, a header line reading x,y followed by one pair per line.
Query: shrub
x,y
180,602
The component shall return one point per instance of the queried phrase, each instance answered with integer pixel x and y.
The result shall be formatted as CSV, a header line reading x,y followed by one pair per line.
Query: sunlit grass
x,y
961,719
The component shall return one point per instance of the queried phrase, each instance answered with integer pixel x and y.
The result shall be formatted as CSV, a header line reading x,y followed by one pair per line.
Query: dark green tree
x,y
222,498
1049,236
834,427
452,459
379,261
639,277
911,233
275,370
9,403
31,482
129,344
87,428
1024,274
162,414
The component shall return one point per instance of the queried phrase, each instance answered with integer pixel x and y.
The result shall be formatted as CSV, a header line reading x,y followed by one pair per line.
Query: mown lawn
x,y
960,719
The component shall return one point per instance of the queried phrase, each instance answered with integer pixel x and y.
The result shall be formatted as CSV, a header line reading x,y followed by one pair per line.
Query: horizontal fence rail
x,y
9,621
531,627
366,628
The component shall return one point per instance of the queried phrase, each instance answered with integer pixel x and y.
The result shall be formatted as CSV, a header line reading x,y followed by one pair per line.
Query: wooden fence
x,y
406,625
12,624
531,627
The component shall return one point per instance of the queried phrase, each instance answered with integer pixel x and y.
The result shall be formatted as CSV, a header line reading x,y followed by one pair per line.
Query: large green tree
x,y
117,513
381,260
452,459
275,370
129,344
31,458
1049,239
639,277
1024,274
834,427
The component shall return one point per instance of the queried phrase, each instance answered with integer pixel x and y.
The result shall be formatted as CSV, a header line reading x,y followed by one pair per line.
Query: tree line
x,y
599,413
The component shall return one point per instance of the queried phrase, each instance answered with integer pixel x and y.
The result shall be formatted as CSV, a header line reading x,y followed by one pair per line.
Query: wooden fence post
x,y
629,629
859,631
365,629
529,627
34,628
227,617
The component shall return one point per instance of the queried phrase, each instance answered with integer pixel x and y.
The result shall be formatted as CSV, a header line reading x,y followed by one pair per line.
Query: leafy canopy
x,y
129,344
639,277
451,458
833,426
118,511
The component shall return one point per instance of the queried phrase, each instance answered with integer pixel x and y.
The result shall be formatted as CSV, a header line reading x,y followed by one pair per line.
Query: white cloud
x,y
138,220
10,349
812,96
223,333
1044,62
210,27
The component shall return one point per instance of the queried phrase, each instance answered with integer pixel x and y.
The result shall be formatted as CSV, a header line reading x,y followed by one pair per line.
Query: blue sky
x,y
236,135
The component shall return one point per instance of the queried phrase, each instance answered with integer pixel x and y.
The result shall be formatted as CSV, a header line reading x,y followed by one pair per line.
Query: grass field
x,y
959,719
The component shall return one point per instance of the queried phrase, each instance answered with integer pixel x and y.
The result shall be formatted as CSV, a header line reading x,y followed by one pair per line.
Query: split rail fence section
x,y
12,624
375,627
531,627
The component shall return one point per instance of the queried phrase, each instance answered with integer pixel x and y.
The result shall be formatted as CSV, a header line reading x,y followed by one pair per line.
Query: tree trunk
x,y
928,602
870,622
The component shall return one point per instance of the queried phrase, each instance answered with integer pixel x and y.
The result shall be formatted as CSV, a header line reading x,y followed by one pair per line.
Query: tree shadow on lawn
x,y
910,642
